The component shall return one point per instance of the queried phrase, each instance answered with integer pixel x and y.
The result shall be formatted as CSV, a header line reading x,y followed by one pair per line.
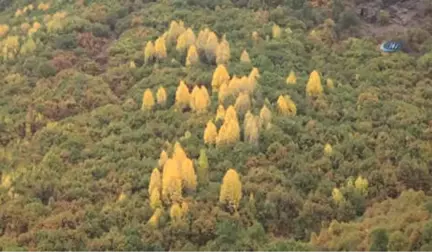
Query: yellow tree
x,y
223,92
229,133
251,129
162,158
265,117
242,103
210,133
160,48
361,184
203,167
231,114
201,100
188,175
10,46
155,201
328,150
276,31
148,100
220,112
244,57
175,29
185,40
223,52
220,76
313,87
154,220
337,195
201,41
171,182
193,96
176,213
291,79
4,29
182,95
254,73
235,85
231,190
179,154
255,36
286,106
192,56
155,181
28,47
211,46
149,52
161,96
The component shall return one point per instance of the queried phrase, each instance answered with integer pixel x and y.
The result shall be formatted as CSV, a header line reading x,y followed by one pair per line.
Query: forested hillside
x,y
213,125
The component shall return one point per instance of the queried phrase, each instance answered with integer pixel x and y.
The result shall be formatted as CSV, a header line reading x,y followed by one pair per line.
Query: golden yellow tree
x,y
160,48
201,40
161,96
162,158
154,220
148,100
313,87
175,30
211,46
182,95
188,175
265,117
244,57
193,96
251,129
155,181
276,31
286,106
220,113
231,190
235,85
223,92
291,79
231,114
220,76
171,182
337,195
185,40
242,103
10,47
254,73
255,36
328,150
201,100
155,201
223,52
4,29
203,167
229,133
179,155
192,56
210,133
361,184
149,52
176,213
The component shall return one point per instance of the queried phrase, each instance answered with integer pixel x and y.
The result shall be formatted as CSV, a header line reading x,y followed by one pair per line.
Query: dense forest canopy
x,y
214,125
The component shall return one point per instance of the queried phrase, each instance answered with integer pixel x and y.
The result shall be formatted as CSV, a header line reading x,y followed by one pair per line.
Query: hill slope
x,y
210,125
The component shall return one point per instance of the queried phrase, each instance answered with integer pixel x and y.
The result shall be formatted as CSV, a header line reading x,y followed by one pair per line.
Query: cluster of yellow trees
x,y
11,45
206,44
360,184
179,177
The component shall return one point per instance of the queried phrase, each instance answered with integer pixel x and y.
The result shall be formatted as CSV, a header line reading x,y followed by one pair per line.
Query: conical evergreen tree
x,y
155,181
220,76
182,95
163,158
203,166
155,201
242,103
220,113
192,56
210,133
161,96
223,52
171,182
313,87
291,79
244,57
148,100
188,175
160,48
231,190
